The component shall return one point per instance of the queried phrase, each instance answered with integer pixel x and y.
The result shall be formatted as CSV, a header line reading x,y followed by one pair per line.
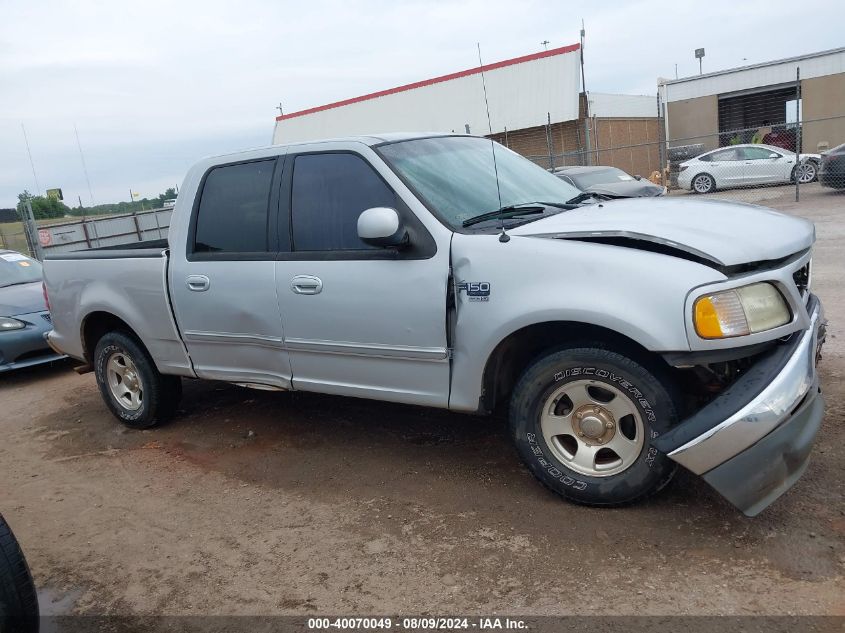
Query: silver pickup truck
x,y
622,337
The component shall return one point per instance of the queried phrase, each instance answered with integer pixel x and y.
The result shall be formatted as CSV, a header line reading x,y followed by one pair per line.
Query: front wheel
x,y
806,172
584,421
131,385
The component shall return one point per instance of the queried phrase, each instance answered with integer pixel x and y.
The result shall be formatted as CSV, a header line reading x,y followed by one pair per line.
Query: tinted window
x,y
232,216
328,194
757,153
725,154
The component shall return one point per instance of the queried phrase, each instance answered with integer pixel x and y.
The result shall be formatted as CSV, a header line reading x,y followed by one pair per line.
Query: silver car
x,y
744,165
24,318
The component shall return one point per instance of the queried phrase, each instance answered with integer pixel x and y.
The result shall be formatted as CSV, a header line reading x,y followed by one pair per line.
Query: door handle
x,y
198,283
306,285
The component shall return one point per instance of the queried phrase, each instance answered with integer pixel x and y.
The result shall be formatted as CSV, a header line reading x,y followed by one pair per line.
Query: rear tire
x,y
131,386
703,183
18,598
584,421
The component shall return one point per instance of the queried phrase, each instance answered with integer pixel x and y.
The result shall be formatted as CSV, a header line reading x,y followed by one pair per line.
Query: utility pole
x,y
31,163
545,44
279,108
586,99
84,168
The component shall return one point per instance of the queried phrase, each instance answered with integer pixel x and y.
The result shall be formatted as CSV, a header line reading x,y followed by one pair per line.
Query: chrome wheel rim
x,y
124,381
702,184
806,173
592,428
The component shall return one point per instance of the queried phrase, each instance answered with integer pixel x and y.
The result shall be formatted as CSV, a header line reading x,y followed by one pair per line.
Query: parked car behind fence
x,y
832,168
744,165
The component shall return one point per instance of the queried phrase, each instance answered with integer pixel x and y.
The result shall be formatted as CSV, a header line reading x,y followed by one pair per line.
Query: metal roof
x,y
776,62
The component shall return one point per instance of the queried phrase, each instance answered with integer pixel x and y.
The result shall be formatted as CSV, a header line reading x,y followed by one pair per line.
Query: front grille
x,y
801,277
46,316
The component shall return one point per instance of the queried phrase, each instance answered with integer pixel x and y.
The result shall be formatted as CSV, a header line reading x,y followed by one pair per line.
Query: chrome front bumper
x,y
753,441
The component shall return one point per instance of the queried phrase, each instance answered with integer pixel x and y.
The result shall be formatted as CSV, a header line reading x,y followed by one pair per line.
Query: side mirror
x,y
381,226
774,155
638,177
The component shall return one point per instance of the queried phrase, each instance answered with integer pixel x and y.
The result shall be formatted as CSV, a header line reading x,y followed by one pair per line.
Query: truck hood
x,y
23,299
724,233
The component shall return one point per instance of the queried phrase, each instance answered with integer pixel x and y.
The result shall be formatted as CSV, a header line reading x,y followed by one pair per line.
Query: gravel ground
x,y
269,503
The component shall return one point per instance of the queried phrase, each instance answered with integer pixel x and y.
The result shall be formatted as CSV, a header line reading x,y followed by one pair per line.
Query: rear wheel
x,y
703,183
18,599
584,421
131,386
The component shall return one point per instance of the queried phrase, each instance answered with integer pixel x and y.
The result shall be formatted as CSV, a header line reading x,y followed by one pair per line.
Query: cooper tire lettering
x,y
650,471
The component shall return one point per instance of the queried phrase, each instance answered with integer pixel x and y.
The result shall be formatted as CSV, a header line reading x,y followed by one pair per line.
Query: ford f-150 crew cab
x,y
624,337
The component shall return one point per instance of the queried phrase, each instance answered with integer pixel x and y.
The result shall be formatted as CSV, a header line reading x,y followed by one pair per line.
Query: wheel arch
x,y
97,324
512,355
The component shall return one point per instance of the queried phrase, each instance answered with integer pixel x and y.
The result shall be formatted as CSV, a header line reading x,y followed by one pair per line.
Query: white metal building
x,y
523,92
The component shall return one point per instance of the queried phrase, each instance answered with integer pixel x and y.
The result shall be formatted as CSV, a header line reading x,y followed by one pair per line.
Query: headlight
x,y
746,310
8,323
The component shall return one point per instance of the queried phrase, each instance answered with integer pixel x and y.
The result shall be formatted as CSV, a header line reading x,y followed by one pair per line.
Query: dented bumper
x,y
753,441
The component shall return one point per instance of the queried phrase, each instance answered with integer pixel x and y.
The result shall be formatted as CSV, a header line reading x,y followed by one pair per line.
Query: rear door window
x,y
233,210
725,154
757,153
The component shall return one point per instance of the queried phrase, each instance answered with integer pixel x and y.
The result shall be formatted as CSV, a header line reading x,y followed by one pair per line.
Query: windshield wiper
x,y
516,210
586,195
18,283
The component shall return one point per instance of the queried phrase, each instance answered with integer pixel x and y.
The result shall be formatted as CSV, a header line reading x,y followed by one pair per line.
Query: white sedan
x,y
742,165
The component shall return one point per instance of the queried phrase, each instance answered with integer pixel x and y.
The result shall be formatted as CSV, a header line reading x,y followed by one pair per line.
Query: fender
x,y
639,295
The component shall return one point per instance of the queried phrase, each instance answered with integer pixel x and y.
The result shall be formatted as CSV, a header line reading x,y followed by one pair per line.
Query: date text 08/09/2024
x,y
417,623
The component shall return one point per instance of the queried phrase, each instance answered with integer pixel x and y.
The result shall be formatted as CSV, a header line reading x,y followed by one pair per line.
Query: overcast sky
x,y
154,85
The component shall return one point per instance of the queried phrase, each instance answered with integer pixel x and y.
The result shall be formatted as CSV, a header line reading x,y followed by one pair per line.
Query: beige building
x,y
730,106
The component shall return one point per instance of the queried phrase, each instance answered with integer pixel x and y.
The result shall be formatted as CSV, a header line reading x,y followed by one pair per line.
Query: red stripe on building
x,y
428,82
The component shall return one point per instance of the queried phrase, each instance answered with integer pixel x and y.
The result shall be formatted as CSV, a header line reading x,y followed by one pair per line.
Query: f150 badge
x,y
475,290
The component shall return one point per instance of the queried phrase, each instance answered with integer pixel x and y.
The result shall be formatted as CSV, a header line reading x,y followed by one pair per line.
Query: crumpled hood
x,y
726,233
22,299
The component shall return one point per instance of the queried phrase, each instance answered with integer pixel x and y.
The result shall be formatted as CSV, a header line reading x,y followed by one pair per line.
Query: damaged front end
x,y
752,441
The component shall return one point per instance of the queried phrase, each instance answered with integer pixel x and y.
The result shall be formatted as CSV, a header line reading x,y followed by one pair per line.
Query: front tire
x,y
584,421
131,386
806,172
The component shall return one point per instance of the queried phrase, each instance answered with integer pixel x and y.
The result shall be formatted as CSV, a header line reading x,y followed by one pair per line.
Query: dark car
x,y
832,168
609,181
24,318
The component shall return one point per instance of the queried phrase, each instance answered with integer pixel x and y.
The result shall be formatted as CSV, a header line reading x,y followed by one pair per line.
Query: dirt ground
x,y
266,503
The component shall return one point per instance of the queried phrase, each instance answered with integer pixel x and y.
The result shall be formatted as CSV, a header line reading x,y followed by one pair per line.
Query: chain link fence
x,y
754,147
13,237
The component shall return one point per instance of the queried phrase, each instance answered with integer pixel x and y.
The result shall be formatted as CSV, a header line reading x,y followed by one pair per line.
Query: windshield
x,y
454,176
18,269
599,177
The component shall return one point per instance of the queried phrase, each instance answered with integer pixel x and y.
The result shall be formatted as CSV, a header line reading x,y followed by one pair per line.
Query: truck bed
x,y
131,286
148,248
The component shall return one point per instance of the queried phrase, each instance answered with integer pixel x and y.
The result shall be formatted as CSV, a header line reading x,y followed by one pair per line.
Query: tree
x,y
42,207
